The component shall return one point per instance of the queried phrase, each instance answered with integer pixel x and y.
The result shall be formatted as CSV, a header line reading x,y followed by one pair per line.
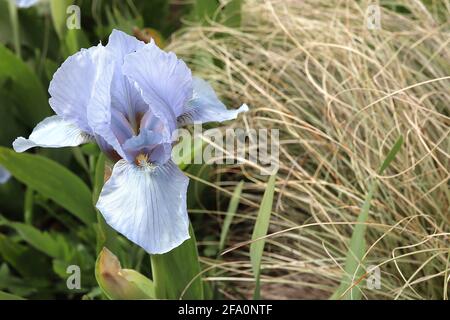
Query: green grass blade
x,y
22,86
59,16
357,249
204,10
232,14
260,230
40,240
391,155
106,236
232,207
73,41
8,296
353,269
175,270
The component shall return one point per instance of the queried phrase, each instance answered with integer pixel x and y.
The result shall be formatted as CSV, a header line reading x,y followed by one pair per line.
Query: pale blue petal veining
x,y
147,205
52,132
99,108
72,86
124,96
206,107
164,81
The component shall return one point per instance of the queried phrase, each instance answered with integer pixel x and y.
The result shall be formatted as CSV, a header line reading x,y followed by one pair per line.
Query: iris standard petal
x,y
4,175
147,205
165,82
26,3
72,86
124,96
120,44
99,111
53,132
206,107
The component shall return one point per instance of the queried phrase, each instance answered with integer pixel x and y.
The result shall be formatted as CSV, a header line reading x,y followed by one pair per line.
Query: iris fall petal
x,y
206,107
147,204
52,132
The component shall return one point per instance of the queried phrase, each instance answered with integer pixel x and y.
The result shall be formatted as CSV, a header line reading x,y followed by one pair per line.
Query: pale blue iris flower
x,y
130,97
4,175
26,3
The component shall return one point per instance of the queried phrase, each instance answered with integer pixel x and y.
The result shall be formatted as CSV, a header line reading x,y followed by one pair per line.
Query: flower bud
x,y
118,283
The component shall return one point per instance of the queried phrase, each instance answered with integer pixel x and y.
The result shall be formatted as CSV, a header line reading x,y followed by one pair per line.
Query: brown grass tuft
x,y
341,96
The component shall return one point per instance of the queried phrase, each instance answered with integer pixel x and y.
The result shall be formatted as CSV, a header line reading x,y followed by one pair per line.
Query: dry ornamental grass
x,y
341,95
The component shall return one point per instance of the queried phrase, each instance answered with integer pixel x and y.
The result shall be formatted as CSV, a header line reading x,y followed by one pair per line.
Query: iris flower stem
x,y
29,203
44,45
14,26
